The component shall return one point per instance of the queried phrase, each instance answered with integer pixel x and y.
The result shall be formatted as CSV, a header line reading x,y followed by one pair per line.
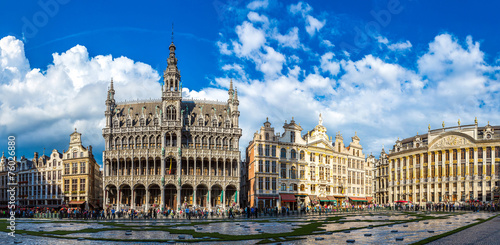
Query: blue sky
x,y
385,69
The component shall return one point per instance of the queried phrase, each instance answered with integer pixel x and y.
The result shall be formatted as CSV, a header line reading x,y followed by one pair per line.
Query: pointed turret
x,y
110,104
233,105
171,75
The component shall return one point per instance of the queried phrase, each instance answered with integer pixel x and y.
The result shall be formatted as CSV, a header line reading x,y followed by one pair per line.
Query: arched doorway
x,y
230,195
187,195
111,195
139,196
171,196
215,196
154,196
125,195
201,195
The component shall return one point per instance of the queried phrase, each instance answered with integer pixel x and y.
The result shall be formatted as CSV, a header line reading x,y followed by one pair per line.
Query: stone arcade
x,y
171,152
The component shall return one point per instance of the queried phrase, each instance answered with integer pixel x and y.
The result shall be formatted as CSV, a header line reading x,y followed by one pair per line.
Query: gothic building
x,y
171,152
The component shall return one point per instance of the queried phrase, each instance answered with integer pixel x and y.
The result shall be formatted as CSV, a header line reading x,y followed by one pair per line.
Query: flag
x,y
170,169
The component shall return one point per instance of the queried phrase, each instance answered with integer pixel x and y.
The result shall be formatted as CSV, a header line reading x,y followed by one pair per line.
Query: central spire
x,y
171,75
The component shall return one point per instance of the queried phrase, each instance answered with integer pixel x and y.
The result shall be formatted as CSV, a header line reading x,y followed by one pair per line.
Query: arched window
x,y
171,113
302,155
267,136
283,187
131,142
294,186
293,154
302,187
293,172
283,153
151,141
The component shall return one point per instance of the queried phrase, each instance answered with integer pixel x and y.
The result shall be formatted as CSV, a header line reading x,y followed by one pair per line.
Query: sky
x,y
382,69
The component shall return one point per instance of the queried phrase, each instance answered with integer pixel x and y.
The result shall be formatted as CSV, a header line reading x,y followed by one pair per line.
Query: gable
x,y
451,141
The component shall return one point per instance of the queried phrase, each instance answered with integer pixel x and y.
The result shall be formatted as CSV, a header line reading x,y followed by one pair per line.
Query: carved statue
x,y
320,119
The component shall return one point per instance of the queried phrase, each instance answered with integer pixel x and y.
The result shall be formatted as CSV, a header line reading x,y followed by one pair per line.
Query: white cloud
x,y
382,40
327,43
330,65
313,25
300,8
400,46
291,39
250,39
255,17
45,106
271,62
380,100
258,4
224,48
234,67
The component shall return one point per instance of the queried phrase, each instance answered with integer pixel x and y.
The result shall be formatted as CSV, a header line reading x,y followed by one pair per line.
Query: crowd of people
x,y
188,212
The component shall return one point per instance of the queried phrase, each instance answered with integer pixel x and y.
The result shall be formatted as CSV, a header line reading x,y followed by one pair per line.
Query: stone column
x,y
162,190
237,197
118,197
210,166
105,197
179,197
209,204
492,179
117,168
147,199
194,196
224,197
475,183
132,197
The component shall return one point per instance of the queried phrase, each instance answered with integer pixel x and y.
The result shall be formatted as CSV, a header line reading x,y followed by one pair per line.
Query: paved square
x,y
382,227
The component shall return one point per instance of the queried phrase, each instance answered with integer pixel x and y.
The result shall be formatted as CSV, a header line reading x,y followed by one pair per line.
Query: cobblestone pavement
x,y
385,227
484,234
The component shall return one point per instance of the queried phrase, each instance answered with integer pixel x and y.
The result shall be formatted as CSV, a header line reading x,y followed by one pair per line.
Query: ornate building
x,y
292,169
381,179
171,151
452,164
41,180
82,178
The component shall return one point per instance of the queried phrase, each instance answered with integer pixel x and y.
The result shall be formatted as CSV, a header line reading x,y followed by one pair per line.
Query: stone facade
x,y
41,180
171,152
294,170
82,179
453,164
